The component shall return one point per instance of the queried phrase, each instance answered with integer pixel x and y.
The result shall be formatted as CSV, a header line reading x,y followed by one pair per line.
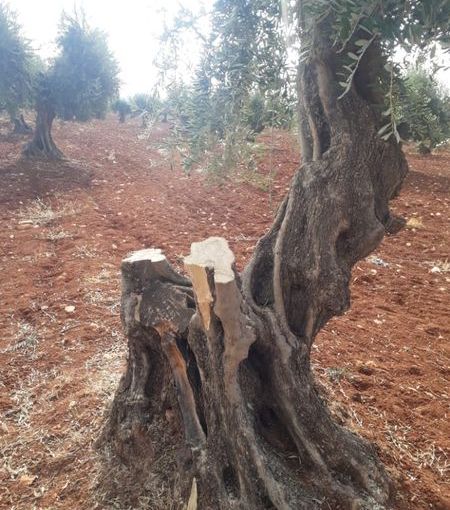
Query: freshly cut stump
x,y
256,433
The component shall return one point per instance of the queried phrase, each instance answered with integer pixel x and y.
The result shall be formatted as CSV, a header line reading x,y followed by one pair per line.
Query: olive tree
x,y
226,355
424,109
77,85
123,108
17,64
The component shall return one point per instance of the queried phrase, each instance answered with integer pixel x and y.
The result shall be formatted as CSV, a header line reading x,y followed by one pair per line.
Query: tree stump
x,y
256,432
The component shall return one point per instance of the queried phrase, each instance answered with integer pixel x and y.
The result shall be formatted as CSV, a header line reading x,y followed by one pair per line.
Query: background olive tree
x,y
78,84
18,67
123,108
423,108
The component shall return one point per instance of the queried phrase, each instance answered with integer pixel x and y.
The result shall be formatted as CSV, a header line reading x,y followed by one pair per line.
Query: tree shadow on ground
x,y
27,179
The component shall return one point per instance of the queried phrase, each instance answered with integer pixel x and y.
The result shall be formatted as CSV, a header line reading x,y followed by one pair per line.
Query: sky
x,y
132,26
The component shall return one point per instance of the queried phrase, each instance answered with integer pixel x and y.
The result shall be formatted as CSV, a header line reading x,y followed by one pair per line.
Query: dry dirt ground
x,y
64,230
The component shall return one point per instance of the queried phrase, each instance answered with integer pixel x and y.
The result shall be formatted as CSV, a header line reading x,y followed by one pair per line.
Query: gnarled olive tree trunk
x,y
42,144
20,125
256,433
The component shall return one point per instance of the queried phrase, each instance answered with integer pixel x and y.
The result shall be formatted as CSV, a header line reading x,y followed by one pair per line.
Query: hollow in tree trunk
x,y
236,348
42,144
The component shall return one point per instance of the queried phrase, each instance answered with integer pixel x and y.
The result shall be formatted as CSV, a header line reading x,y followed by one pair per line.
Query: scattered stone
x,y
414,223
366,369
27,480
377,261
415,370
360,384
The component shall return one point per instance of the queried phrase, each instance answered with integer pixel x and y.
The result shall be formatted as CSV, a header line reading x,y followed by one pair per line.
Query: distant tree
x,y
424,109
17,65
146,102
78,85
123,108
147,106
142,101
255,112
260,112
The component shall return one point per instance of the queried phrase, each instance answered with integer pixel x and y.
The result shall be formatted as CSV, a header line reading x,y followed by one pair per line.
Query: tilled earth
x,y
66,227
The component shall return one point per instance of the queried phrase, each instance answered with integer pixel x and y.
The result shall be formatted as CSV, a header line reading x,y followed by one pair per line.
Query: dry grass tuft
x,y
74,403
441,266
103,277
39,213
26,339
117,486
335,374
23,400
85,252
99,291
432,456
106,365
57,235
99,298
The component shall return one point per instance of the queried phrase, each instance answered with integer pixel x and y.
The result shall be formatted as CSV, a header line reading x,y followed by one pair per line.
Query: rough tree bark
x,y
20,126
256,432
42,144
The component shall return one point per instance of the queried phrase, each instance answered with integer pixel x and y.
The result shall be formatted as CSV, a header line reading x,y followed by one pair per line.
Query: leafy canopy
x,y
17,64
246,55
424,109
355,27
146,103
84,76
242,82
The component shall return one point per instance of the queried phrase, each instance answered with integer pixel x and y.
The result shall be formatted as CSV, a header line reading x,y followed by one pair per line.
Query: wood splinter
x,y
220,298
193,430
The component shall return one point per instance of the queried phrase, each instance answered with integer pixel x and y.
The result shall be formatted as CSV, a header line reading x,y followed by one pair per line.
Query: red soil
x,y
385,364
